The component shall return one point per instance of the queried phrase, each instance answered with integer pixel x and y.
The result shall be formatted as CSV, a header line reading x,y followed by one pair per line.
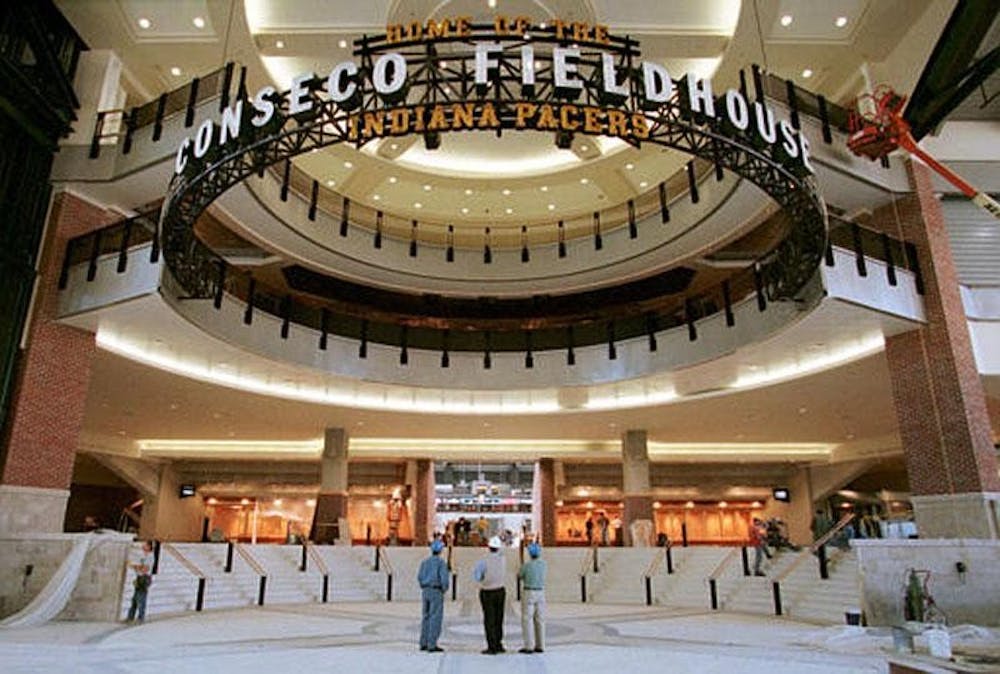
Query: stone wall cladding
x,y
47,415
939,398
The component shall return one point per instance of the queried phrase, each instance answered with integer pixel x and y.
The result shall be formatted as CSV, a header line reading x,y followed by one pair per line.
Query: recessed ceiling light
x,y
543,25
394,146
584,181
175,71
491,4
393,179
427,188
198,22
505,192
643,184
807,73
584,148
468,191
552,207
544,188
280,44
465,210
417,204
348,164
841,21
342,44
331,183
376,197
145,23
786,20
629,167
509,211
444,64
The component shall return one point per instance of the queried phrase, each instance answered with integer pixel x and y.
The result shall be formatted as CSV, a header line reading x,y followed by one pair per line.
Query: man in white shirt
x,y
490,572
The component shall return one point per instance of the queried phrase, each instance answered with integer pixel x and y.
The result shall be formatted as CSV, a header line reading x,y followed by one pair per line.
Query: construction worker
x,y
433,577
489,572
532,575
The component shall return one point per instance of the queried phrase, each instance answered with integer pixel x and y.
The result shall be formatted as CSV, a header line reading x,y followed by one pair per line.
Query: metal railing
x,y
189,566
254,566
309,552
651,570
588,562
112,125
713,586
382,563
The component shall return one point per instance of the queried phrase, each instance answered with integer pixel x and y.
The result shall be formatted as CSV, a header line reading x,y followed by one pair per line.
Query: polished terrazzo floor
x,y
376,638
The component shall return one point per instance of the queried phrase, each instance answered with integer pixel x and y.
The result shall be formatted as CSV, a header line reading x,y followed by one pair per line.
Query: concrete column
x,y
36,463
424,504
635,482
543,501
168,517
331,502
939,398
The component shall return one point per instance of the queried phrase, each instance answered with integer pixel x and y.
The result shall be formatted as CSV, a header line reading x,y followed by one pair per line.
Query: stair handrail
x,y
654,565
587,562
188,565
723,563
316,558
837,528
250,560
802,556
386,564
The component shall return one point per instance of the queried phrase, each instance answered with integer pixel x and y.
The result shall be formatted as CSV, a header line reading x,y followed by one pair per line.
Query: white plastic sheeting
x,y
53,599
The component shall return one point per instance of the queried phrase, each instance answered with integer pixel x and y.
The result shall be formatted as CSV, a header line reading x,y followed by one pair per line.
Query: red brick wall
x,y
47,414
939,399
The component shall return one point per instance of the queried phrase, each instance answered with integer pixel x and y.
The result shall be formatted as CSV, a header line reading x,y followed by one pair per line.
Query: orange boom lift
x,y
877,128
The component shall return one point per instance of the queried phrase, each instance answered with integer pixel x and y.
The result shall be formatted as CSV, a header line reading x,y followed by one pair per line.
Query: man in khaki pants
x,y
532,576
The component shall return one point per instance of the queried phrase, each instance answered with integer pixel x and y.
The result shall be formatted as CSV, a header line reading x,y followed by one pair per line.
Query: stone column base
x,y
32,510
636,508
331,512
970,515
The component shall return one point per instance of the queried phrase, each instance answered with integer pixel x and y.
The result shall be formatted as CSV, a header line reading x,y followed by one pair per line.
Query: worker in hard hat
x,y
489,572
433,577
532,575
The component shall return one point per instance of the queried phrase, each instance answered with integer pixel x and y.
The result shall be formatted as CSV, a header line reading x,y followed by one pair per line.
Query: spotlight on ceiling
x,y
786,20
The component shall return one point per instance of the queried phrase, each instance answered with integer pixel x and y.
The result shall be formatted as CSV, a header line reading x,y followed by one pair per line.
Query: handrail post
x,y
388,587
229,558
519,588
305,554
746,560
95,251
260,592
95,140
156,557
454,586
583,588
596,566
123,248
670,560
776,586
824,572
161,106
67,260
199,602
377,556
684,534
714,594
649,591
326,587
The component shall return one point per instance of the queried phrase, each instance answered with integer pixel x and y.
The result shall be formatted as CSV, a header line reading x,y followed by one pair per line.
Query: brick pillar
x,y
939,399
424,504
36,462
330,518
638,503
543,506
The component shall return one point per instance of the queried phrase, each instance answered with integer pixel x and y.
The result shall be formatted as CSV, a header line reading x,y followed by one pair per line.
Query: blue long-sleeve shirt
x,y
433,574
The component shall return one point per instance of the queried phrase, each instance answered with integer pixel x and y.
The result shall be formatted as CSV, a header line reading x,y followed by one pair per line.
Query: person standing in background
x,y
532,576
433,577
489,572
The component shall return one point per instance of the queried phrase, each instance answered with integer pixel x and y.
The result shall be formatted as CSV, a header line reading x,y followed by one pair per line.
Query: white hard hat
x,y
495,543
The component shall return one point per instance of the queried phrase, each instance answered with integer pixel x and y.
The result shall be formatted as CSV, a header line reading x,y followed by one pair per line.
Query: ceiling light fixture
x,y
348,165
393,179
629,167
175,71
786,20
468,191
331,183
342,44
552,207
584,148
544,188
417,204
427,188
145,23
280,44
491,4
643,184
509,211
584,181
465,211
841,21
807,73
376,197
198,22
505,192
394,146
